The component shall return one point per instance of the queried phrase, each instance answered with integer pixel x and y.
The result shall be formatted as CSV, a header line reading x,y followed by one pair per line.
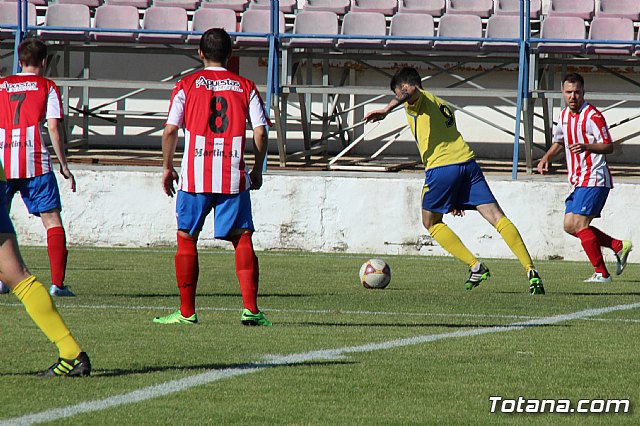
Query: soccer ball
x,y
375,273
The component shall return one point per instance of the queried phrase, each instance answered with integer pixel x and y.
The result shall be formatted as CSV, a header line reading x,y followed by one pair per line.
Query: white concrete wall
x,y
316,211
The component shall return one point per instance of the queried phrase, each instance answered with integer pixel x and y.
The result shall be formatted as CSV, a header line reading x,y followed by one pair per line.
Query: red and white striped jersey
x,y
26,100
586,127
213,106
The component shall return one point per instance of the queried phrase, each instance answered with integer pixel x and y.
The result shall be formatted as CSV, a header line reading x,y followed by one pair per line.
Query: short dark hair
x,y
407,75
573,77
32,52
215,45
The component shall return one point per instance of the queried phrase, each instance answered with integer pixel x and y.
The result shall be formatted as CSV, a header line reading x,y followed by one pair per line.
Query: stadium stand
x,y
502,26
430,7
605,28
235,5
411,24
584,9
314,22
386,7
512,7
363,23
562,27
339,7
35,2
140,4
185,4
67,15
482,8
629,9
286,6
121,17
91,3
166,19
203,19
464,26
257,21
8,16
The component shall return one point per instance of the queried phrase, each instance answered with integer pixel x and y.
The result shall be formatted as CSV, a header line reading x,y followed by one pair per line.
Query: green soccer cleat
x,y
535,283
249,318
79,367
176,318
475,278
622,256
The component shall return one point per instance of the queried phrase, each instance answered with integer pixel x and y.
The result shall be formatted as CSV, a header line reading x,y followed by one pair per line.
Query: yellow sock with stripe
x,y
449,241
512,237
43,312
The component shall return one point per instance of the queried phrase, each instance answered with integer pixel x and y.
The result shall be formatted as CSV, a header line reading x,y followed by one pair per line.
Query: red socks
x,y
187,271
591,244
57,250
607,241
247,270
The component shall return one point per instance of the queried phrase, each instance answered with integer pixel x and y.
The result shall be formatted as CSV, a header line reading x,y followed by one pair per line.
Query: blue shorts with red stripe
x,y
455,186
40,193
6,227
586,201
230,211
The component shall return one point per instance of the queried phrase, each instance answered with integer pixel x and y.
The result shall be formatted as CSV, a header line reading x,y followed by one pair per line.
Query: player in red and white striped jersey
x,y
213,106
27,100
583,134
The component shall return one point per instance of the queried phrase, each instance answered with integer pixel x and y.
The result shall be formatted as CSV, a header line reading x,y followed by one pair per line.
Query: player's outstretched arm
x,y
169,144
381,114
56,141
260,144
545,161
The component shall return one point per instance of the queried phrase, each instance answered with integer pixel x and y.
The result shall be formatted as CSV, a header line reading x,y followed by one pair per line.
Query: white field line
x,y
318,311
174,386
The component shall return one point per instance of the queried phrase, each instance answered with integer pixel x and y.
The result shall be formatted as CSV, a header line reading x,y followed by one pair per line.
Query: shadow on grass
x,y
444,325
234,295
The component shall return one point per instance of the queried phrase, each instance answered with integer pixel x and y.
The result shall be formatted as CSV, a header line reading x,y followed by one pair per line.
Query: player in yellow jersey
x,y
453,180
72,360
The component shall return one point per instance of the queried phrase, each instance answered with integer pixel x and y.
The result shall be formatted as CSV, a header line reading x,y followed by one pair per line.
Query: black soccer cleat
x,y
78,367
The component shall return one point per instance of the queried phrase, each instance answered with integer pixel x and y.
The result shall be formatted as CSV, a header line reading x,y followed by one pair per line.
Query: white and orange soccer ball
x,y
375,273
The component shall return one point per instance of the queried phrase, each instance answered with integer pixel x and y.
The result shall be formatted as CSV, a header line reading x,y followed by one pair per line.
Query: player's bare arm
x,y
380,114
56,141
169,144
260,143
545,161
596,148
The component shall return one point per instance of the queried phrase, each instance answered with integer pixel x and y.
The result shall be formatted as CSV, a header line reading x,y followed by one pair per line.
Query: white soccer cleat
x,y
4,289
56,291
598,278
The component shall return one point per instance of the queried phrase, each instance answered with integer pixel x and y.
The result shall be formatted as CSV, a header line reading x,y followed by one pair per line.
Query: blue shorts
x,y
455,186
40,194
586,201
231,211
6,227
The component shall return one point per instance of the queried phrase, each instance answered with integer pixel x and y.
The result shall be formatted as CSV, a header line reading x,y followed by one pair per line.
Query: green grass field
x,y
335,354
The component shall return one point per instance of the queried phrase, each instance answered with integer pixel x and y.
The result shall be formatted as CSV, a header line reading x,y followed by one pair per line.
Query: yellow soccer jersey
x,y
434,127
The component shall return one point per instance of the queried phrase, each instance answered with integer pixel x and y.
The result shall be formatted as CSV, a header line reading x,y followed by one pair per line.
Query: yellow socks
x,y
449,241
512,237
43,312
